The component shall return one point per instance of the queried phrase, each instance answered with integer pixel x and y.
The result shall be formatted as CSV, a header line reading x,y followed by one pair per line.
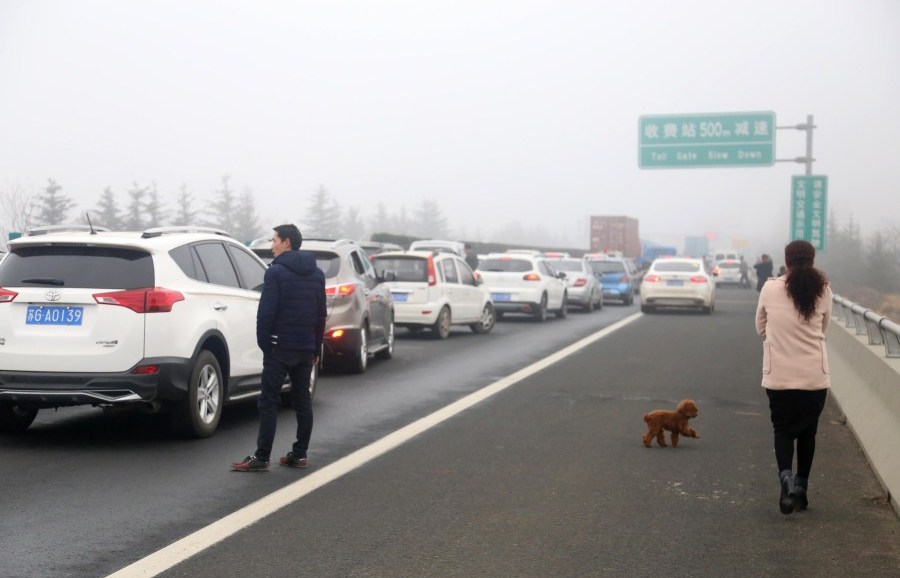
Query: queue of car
x,y
159,318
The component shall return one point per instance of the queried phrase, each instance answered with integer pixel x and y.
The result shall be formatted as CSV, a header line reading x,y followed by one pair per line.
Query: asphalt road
x,y
546,478
84,493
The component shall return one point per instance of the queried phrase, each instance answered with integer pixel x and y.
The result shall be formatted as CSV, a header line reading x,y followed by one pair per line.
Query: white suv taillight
x,y
150,300
6,296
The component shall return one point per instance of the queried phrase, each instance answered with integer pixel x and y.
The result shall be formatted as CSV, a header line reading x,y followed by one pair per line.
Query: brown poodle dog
x,y
660,420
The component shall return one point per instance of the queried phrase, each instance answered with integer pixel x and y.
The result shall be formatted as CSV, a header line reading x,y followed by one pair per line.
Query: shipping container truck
x,y
615,233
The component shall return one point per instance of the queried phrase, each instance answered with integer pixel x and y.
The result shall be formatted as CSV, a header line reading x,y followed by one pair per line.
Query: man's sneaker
x,y
251,464
294,461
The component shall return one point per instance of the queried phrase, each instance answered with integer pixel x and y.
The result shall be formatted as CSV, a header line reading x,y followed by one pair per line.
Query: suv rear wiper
x,y
45,281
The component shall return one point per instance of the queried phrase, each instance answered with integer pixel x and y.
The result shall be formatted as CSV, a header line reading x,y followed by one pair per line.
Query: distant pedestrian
x,y
290,327
763,269
471,257
781,271
745,269
792,315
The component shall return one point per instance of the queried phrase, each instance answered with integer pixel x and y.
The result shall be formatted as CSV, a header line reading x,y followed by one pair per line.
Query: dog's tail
x,y
647,417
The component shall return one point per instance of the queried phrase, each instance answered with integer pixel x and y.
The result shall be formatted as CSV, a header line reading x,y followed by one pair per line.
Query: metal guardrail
x,y
879,329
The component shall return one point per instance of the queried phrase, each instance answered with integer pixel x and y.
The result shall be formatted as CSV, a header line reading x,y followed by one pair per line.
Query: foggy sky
x,y
500,111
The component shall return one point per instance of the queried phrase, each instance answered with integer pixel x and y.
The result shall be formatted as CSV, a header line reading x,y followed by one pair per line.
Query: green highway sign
x,y
733,139
809,203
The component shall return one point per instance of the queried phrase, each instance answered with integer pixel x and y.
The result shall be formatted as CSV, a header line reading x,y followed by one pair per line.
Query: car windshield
x,y
505,264
405,268
676,267
567,265
77,266
328,262
607,267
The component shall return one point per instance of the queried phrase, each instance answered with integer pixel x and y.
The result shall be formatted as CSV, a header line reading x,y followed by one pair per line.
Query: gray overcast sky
x,y
517,110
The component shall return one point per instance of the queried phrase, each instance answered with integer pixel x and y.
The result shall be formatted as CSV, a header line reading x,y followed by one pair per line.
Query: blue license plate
x,y
54,315
400,296
674,282
500,296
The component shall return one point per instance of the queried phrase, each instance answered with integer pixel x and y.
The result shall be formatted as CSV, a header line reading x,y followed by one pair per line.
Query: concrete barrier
x,y
866,386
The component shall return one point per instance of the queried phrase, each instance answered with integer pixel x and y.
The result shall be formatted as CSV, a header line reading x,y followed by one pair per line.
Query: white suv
x,y
524,283
435,290
162,319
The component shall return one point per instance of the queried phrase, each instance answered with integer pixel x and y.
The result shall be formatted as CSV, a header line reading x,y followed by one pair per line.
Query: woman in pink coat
x,y
792,315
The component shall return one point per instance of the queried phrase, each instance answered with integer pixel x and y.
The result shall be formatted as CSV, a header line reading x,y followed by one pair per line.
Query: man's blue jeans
x,y
277,364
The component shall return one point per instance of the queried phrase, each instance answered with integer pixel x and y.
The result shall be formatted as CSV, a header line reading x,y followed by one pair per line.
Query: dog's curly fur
x,y
660,420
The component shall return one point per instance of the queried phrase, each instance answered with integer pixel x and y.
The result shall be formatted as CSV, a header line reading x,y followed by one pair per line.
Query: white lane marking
x,y
179,551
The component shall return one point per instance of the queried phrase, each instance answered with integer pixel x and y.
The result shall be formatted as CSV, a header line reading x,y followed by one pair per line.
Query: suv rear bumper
x,y
346,344
57,389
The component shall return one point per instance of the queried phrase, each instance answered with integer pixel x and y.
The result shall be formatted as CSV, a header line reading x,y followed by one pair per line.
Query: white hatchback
x,y
434,290
678,282
159,319
727,272
524,283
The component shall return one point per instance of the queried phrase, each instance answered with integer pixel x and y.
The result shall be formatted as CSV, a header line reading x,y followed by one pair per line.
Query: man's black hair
x,y
291,233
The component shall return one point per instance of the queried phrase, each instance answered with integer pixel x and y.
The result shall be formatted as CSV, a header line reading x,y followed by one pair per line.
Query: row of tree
x,y
228,209
853,261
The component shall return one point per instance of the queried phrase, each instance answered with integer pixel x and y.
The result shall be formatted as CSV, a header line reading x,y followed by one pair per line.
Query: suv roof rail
x,y
159,231
62,229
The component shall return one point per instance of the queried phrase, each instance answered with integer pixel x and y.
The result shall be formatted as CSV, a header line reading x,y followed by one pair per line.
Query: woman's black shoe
x,y
800,498
800,493
787,502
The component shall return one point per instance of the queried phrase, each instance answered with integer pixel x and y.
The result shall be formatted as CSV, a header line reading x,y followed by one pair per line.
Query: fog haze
x,y
502,112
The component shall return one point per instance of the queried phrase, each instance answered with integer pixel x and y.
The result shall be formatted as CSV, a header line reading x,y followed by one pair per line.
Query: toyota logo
x,y
53,295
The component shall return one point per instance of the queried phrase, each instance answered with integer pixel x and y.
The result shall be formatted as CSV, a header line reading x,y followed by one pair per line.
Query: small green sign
x,y
809,204
734,139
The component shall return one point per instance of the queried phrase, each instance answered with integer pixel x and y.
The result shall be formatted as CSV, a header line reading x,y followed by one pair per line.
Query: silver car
x,y
360,308
585,290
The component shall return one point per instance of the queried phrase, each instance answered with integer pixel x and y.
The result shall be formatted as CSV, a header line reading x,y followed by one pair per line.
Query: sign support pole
x,y
808,159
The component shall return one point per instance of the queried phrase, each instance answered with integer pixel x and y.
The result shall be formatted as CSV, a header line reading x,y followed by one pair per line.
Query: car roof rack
x,y
46,229
159,231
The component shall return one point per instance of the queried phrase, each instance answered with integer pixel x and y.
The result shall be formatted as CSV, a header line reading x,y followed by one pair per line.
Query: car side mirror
x,y
561,274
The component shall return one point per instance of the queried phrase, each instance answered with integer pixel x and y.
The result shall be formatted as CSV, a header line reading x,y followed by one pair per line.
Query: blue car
x,y
619,278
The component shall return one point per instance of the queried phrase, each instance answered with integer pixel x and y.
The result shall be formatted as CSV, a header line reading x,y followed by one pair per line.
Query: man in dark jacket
x,y
763,271
290,326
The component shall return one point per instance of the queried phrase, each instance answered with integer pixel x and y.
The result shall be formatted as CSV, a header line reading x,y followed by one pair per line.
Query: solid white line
x,y
179,551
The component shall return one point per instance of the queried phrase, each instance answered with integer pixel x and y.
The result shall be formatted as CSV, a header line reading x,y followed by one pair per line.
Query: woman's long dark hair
x,y
805,284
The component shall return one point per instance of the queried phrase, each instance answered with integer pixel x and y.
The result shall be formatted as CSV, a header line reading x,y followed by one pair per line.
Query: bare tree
x,y
17,210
